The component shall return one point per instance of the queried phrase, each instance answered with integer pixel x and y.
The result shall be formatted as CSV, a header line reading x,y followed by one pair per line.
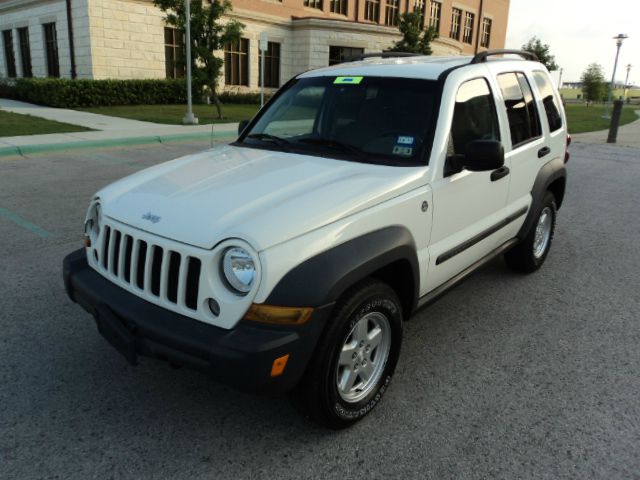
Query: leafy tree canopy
x,y
208,35
593,84
542,51
414,38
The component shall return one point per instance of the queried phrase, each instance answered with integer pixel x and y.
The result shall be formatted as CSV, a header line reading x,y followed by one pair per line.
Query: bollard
x,y
615,121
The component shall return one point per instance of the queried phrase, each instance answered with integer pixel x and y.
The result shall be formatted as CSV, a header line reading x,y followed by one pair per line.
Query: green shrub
x,y
243,98
8,89
63,93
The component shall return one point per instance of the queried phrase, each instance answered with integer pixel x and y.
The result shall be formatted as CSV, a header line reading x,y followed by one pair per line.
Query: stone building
x,y
128,38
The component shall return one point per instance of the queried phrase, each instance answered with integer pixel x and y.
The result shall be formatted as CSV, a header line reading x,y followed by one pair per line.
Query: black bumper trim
x,y
241,357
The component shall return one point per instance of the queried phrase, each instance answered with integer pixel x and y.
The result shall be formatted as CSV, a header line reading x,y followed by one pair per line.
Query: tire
x,y
370,311
529,255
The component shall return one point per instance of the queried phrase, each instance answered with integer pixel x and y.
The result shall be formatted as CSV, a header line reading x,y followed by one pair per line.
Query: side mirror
x,y
484,155
242,125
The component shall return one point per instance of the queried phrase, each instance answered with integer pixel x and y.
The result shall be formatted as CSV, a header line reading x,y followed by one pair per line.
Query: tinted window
x,y
524,121
366,119
549,100
474,116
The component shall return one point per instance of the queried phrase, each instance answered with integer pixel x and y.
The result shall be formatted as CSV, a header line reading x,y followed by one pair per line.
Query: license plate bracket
x,y
114,331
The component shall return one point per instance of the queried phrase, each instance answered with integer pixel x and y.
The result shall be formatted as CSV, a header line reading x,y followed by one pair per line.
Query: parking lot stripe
x,y
26,224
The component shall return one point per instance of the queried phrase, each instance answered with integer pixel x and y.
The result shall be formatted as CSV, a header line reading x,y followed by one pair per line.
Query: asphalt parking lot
x,y
506,376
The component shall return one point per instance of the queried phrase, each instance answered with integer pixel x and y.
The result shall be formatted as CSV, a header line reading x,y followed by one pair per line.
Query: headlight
x,y
92,223
239,269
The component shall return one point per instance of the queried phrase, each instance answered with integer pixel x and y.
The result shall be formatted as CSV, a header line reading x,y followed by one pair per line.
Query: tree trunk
x,y
216,101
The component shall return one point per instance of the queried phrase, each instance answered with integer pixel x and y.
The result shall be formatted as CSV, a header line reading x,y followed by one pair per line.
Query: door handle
x,y
543,152
499,173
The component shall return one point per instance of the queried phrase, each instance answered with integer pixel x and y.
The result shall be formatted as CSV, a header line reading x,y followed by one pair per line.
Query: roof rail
x,y
483,56
362,56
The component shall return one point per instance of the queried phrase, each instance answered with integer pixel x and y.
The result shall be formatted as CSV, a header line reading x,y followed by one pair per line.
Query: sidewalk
x,y
110,131
628,135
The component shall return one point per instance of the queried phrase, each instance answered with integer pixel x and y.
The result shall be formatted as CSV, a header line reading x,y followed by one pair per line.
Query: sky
x,y
580,32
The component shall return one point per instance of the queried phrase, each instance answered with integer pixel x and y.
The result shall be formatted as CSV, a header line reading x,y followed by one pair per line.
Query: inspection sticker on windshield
x,y
405,140
347,80
402,150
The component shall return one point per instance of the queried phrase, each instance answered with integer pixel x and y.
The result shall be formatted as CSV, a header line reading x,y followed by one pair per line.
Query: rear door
x,y
526,147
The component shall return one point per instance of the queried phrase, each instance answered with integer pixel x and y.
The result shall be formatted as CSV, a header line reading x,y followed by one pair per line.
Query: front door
x,y
468,207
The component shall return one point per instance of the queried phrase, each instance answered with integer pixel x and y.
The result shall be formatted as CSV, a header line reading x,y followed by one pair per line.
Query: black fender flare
x,y
322,279
549,173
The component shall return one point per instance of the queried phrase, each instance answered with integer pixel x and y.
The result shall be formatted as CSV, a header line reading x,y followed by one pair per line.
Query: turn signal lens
x,y
279,365
278,315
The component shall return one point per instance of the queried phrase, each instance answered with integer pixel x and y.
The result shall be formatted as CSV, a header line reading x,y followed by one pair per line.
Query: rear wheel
x,y
530,254
355,358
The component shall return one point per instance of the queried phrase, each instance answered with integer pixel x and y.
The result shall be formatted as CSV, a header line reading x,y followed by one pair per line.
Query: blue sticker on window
x,y
405,140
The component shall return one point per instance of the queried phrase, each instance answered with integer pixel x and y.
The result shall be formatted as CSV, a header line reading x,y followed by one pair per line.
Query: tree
x,y
208,35
535,45
593,84
414,39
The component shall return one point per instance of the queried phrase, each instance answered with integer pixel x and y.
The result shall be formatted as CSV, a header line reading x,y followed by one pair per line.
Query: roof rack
x,y
483,56
362,56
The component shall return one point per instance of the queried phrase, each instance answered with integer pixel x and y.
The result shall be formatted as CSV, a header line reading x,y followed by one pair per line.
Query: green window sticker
x,y
347,80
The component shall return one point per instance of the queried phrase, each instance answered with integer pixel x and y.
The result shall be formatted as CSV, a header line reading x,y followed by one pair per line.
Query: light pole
x,y
189,118
626,81
619,39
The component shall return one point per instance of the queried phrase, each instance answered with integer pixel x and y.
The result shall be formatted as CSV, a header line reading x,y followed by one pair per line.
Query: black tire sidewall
x,y
548,201
377,298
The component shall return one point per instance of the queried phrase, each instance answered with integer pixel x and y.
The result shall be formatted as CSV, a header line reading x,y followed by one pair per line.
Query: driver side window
x,y
474,117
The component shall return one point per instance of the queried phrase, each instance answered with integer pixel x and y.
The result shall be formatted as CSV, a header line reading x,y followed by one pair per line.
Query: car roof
x,y
425,67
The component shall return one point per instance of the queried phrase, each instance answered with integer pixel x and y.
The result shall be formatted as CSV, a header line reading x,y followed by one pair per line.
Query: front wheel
x,y
355,359
530,254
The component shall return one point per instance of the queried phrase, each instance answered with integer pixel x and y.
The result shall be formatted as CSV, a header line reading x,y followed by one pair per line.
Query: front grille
x,y
156,270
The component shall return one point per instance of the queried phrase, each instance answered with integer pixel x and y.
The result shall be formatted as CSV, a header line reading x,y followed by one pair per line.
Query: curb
x,y
115,142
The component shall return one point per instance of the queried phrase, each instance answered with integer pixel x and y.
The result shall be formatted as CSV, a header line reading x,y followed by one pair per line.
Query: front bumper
x,y
241,357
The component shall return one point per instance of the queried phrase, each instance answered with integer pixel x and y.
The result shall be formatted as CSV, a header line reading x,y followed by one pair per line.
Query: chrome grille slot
x,y
150,268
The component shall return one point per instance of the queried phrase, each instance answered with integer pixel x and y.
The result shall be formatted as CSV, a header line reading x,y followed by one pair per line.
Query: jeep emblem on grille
x,y
151,217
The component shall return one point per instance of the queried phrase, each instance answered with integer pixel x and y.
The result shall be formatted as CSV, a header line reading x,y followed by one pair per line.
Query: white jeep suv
x,y
288,260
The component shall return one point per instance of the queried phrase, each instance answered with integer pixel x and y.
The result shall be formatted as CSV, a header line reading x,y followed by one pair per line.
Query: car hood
x,y
262,196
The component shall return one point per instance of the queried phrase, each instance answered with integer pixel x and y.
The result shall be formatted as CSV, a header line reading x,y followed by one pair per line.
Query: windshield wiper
x,y
267,137
327,142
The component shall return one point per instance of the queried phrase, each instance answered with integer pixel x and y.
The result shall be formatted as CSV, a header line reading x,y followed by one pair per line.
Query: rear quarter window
x,y
549,100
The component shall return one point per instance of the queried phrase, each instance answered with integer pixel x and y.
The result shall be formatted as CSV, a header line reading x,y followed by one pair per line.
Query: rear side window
x,y
474,116
524,120
549,100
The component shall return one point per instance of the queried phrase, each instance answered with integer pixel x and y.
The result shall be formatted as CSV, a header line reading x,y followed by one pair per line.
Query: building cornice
x,y
19,4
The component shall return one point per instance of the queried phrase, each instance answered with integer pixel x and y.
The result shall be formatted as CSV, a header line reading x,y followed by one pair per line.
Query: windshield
x,y
366,119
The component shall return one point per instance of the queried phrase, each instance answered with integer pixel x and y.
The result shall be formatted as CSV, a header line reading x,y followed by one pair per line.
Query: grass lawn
x,y
572,93
173,114
589,119
14,124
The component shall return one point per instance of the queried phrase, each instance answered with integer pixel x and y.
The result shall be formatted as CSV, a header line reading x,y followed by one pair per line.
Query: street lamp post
x,y
189,118
626,81
619,39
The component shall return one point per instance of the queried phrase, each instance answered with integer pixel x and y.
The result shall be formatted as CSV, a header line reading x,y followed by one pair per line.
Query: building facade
x,y
129,39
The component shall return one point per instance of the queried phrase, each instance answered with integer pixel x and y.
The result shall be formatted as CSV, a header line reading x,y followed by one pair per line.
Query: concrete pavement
x,y
628,135
109,131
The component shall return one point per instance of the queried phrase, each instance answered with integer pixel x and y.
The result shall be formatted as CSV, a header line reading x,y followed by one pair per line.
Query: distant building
x,y
129,39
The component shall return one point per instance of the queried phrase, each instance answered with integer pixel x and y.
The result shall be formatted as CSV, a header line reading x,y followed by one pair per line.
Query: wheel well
x,y
557,188
399,276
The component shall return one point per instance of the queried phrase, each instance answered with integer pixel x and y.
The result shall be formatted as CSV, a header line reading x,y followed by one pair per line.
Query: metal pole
x,y
189,118
262,79
626,81
560,79
619,40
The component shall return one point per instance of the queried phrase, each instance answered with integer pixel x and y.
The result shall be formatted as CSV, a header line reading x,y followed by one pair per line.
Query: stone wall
x,y
127,39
